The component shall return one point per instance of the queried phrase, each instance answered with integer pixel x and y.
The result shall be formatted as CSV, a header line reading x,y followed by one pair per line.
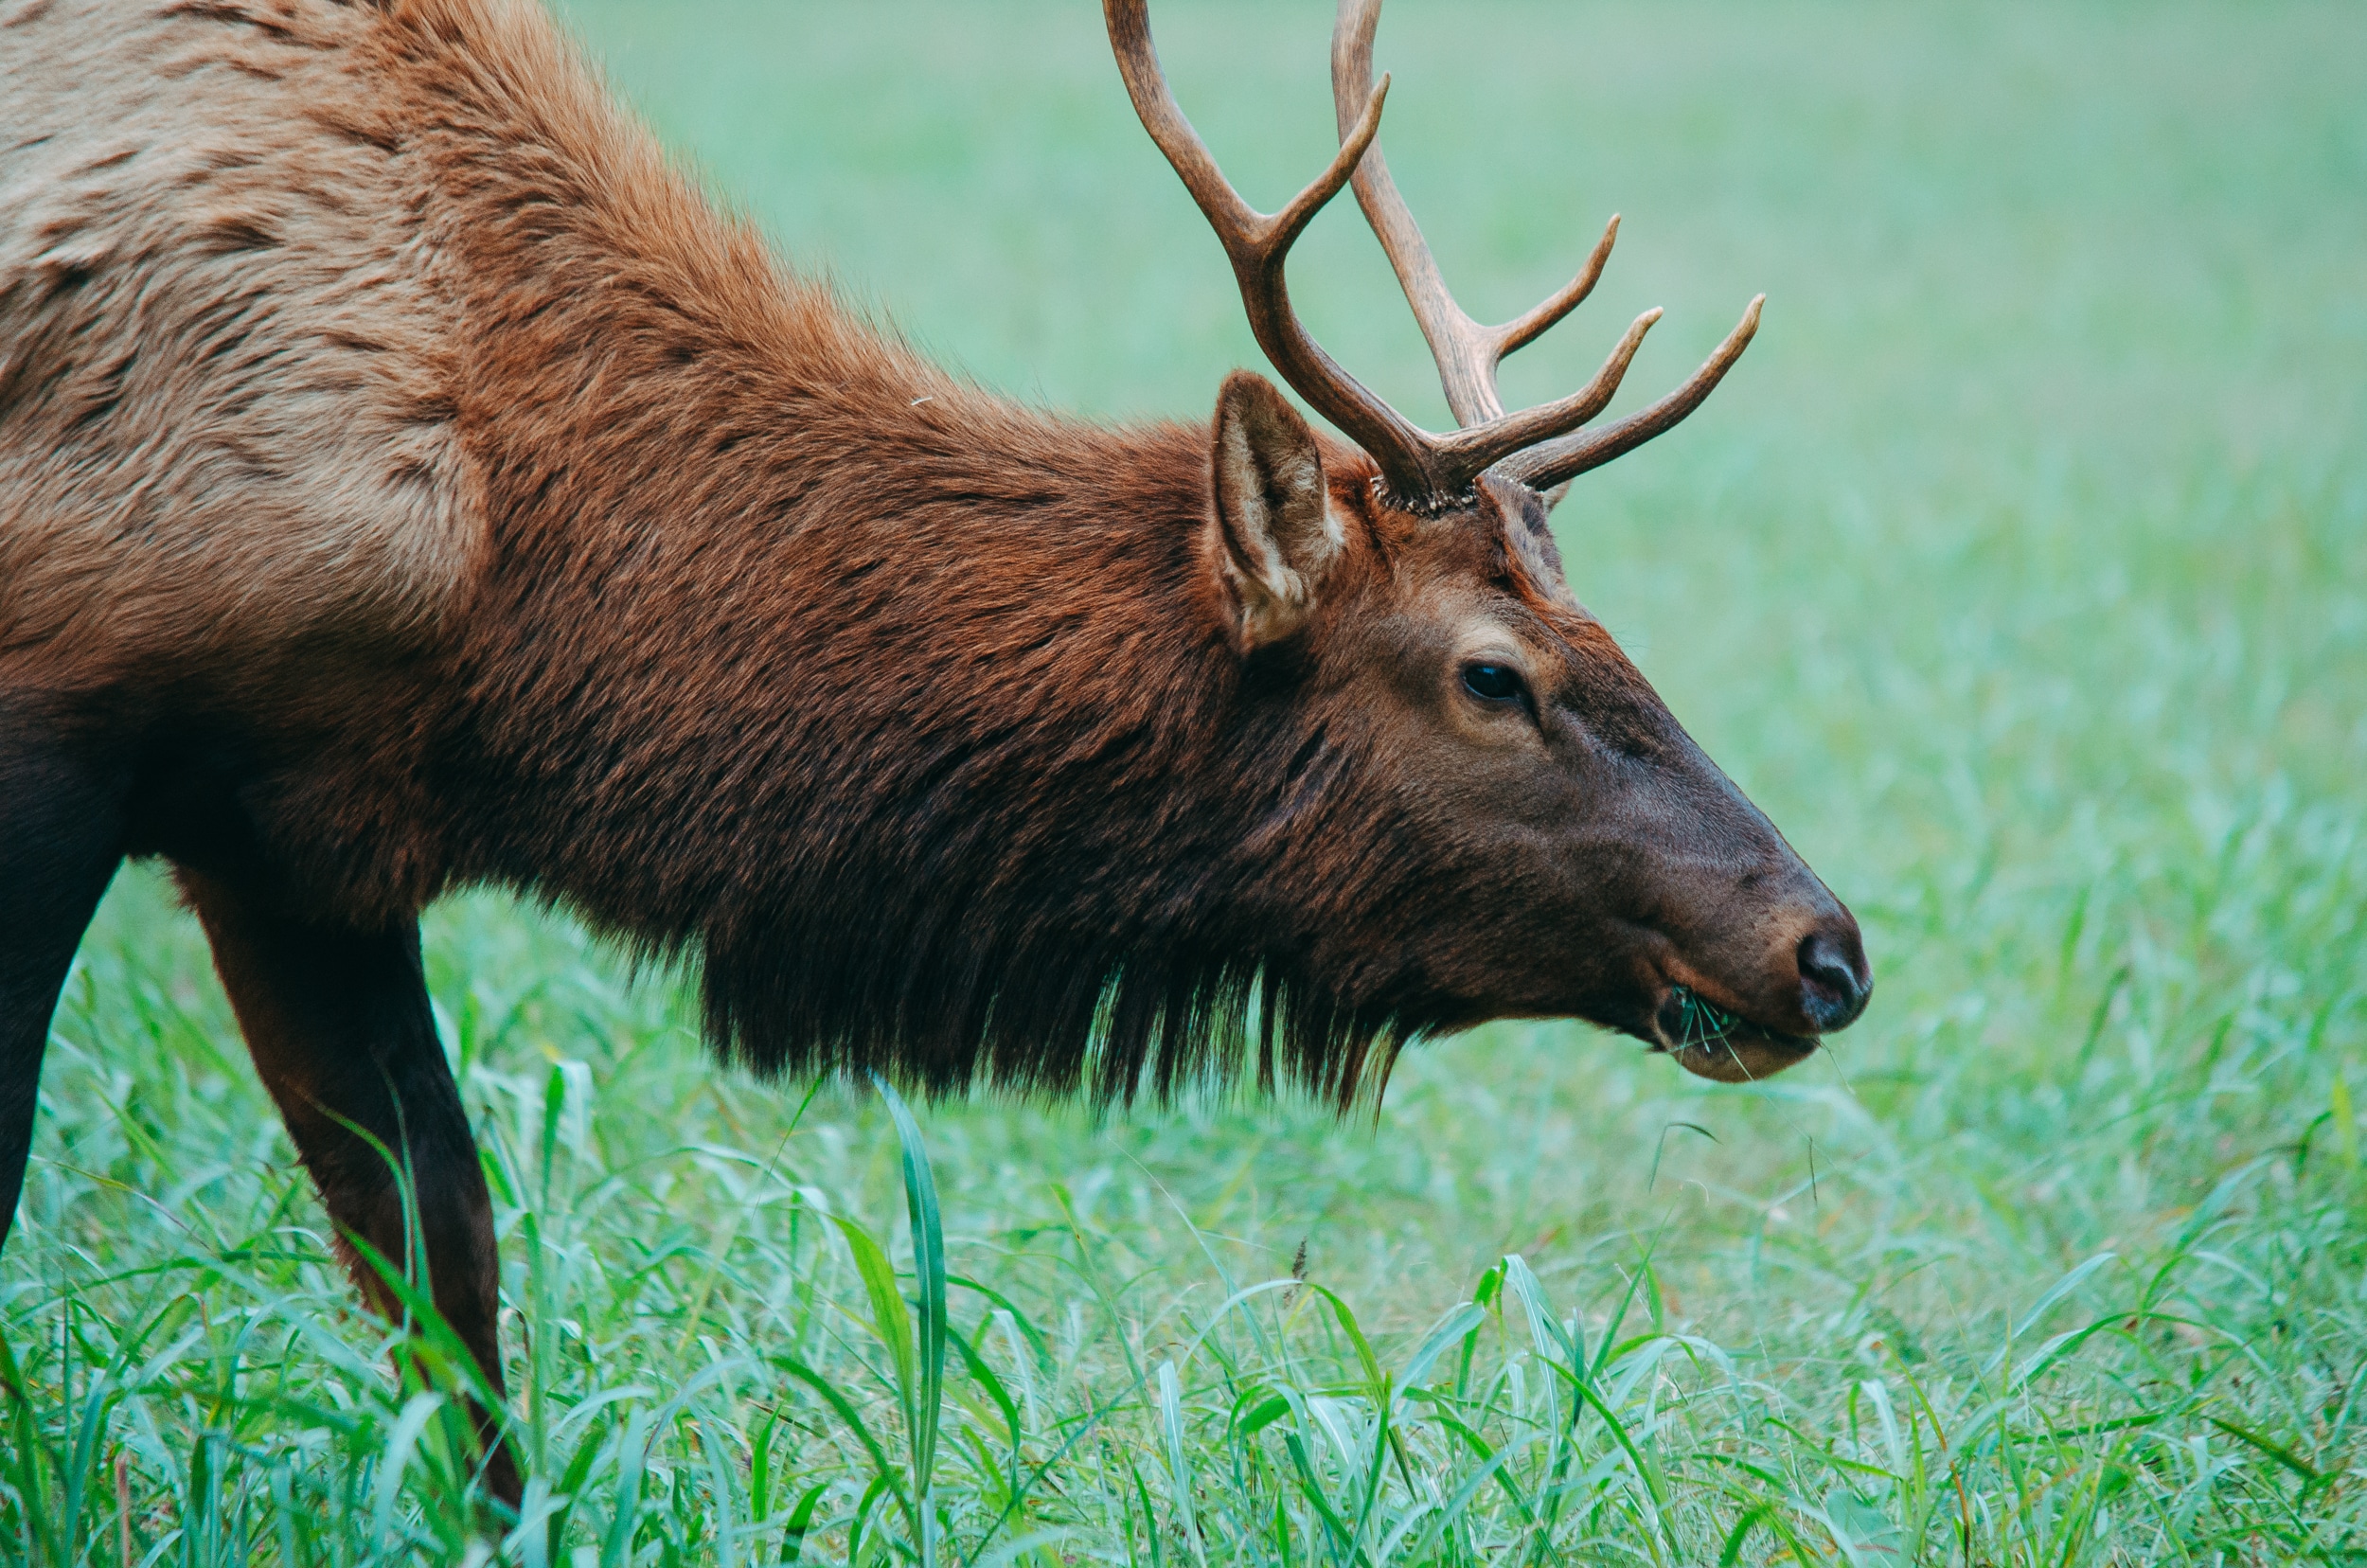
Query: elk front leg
x,y
61,838
339,1026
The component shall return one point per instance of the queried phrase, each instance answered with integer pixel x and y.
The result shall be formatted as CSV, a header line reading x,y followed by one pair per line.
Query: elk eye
x,y
1493,682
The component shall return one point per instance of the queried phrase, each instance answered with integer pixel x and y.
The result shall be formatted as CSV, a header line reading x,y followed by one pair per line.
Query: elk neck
x,y
896,703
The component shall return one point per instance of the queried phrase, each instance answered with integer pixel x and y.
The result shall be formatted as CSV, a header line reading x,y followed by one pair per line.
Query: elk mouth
x,y
1707,1040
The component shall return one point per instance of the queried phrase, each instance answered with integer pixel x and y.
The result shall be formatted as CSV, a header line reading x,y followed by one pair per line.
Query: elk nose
x,y
1835,979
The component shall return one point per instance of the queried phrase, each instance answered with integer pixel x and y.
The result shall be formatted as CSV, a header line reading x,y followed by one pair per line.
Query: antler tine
x,y
1258,245
1528,329
1551,463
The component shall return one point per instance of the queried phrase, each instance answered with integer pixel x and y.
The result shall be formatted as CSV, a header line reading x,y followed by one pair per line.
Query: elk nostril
x,y
1834,983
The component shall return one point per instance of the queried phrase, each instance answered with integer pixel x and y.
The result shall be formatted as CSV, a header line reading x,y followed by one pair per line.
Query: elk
x,y
408,481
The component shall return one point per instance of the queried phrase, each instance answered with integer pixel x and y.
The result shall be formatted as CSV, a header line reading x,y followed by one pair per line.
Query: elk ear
x,y
1273,534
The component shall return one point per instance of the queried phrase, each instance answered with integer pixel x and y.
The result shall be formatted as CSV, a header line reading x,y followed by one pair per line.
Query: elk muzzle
x,y
1820,986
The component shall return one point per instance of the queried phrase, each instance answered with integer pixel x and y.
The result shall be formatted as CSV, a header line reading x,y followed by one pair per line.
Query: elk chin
x,y
1708,1040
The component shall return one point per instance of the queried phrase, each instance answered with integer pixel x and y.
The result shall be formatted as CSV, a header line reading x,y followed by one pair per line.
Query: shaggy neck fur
x,y
906,710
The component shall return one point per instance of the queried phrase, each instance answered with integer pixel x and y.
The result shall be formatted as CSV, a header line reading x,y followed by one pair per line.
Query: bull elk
x,y
409,482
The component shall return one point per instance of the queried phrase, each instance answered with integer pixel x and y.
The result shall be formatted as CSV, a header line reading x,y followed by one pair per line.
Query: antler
x,y
1258,243
1540,447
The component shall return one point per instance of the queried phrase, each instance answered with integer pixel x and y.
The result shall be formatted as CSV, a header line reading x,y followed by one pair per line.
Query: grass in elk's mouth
x,y
1699,1021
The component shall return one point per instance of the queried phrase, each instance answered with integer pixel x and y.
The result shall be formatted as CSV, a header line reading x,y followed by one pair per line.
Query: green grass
x,y
2020,573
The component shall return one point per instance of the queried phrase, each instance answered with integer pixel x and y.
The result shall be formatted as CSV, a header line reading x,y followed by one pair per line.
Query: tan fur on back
x,y
279,278
226,420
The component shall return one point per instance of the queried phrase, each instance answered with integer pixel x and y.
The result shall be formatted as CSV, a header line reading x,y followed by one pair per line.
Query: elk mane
x,y
901,711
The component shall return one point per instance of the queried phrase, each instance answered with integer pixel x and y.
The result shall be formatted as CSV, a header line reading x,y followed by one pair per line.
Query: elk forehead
x,y
1490,565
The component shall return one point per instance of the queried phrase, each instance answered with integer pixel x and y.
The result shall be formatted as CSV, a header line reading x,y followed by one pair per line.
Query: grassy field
x,y
2020,572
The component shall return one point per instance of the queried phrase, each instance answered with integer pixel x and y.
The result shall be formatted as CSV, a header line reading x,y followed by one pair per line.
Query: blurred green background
x,y
2020,572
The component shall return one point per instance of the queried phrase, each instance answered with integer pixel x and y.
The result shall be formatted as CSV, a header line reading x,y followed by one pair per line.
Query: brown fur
x,y
408,481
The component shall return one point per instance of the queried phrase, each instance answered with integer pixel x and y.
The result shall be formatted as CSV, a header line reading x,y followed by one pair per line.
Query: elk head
x,y
1557,845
